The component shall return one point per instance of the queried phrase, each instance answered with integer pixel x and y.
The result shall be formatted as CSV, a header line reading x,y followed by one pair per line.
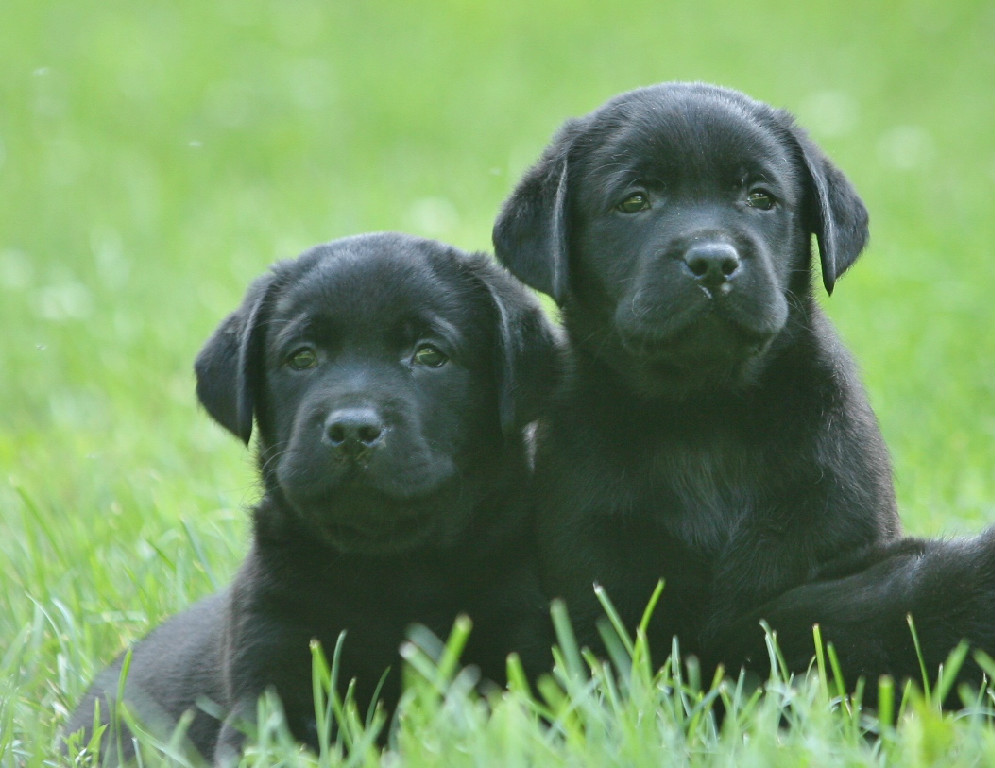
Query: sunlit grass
x,y
632,711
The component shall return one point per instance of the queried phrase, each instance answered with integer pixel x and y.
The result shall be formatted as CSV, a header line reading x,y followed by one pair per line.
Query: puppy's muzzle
x,y
354,433
713,265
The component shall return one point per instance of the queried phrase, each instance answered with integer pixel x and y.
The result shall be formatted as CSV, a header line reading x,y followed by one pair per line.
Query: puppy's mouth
x,y
312,478
402,486
709,342
361,512
706,355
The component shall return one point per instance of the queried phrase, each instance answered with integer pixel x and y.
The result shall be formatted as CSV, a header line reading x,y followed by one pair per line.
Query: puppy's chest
x,y
381,606
702,494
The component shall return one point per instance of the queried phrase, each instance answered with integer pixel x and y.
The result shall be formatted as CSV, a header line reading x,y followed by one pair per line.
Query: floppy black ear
x,y
837,217
228,364
528,355
530,234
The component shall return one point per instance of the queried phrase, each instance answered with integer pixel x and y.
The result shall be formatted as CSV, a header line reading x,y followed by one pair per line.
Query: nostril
x,y
699,267
369,433
337,433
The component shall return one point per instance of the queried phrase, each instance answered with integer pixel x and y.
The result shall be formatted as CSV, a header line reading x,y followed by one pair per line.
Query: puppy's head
x,y
673,225
389,378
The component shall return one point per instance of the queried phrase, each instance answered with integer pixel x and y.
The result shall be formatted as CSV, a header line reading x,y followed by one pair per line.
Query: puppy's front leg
x,y
265,652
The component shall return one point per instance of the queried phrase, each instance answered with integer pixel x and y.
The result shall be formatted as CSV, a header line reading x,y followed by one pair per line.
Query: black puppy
x,y
390,378
712,430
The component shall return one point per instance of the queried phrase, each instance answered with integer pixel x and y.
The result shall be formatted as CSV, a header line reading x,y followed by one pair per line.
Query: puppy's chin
x,y
705,356
379,536
362,521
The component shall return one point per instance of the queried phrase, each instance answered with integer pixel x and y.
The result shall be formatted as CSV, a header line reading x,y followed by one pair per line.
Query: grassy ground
x,y
154,157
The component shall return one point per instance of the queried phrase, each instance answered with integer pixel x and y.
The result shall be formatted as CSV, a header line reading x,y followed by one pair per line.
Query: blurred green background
x,y
156,156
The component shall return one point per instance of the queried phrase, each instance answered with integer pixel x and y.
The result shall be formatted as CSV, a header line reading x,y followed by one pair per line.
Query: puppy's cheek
x,y
760,303
657,305
297,480
302,462
603,271
772,314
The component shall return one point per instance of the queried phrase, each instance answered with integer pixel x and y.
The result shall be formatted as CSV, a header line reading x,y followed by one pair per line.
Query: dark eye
x,y
430,356
634,203
302,359
761,200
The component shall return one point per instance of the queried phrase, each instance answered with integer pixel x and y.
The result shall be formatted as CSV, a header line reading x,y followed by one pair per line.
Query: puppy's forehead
x,y
681,131
354,287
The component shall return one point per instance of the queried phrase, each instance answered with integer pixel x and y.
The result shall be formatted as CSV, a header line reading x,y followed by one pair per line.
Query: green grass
x,y
154,157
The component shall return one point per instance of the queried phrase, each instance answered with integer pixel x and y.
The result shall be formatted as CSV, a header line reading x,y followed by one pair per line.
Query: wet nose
x,y
712,264
353,431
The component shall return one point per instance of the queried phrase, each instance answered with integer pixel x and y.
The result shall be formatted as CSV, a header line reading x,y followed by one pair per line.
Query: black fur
x,y
863,607
712,431
390,379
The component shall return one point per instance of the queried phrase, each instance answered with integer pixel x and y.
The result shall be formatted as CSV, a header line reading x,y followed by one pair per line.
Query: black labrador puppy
x,y
712,430
390,378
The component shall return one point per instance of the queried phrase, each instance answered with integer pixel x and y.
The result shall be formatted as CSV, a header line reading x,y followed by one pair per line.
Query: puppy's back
x,y
179,657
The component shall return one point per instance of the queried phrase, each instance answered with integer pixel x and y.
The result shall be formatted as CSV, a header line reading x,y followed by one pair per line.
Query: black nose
x,y
712,264
353,431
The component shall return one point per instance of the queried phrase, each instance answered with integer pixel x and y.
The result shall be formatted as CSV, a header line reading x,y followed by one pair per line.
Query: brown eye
x,y
634,203
762,201
302,359
430,356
